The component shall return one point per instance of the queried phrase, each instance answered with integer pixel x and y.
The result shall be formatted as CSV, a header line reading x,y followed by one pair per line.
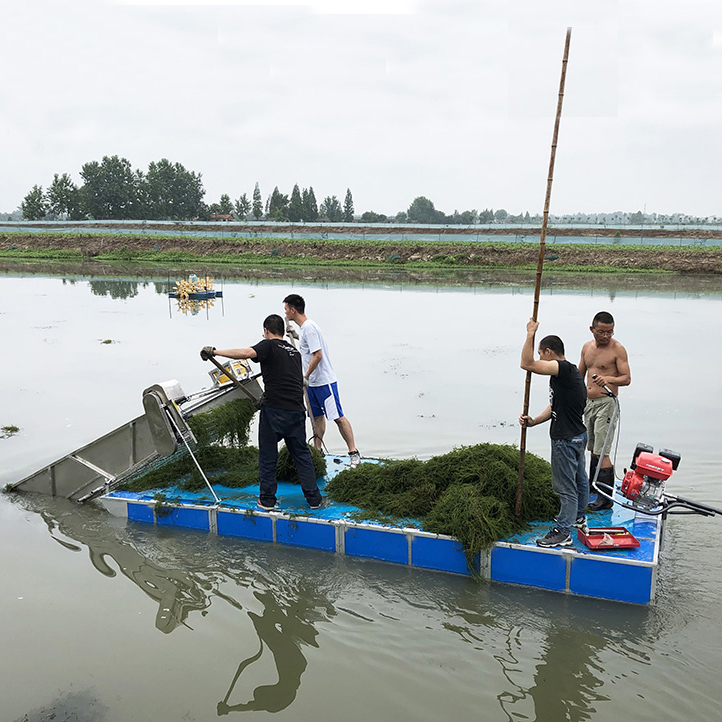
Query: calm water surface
x,y
105,620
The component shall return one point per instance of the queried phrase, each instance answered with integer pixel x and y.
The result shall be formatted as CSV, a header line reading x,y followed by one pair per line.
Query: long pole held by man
x,y
540,266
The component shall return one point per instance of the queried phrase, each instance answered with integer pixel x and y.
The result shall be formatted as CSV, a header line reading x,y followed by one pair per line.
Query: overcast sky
x,y
393,99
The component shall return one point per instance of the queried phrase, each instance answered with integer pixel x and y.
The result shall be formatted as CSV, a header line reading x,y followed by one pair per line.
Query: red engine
x,y
643,484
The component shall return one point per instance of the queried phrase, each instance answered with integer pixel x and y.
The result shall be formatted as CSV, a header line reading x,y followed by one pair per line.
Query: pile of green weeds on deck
x,y
469,493
222,452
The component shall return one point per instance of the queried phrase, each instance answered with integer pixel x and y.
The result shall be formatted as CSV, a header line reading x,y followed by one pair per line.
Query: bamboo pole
x,y
540,267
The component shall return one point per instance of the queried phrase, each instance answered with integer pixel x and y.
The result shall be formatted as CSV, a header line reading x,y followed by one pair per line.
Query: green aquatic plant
x,y
222,452
468,493
163,505
475,519
228,424
7,431
286,468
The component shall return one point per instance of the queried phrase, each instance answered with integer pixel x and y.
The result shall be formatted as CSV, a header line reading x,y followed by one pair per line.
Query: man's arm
x,y
314,362
624,374
237,353
528,362
529,421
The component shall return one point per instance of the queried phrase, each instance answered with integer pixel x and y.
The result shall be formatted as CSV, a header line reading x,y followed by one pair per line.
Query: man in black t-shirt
x,y
283,415
567,397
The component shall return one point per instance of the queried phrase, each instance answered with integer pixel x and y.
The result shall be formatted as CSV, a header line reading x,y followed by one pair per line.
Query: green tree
x,y
331,209
402,217
257,203
225,205
348,209
34,205
172,192
295,207
111,189
636,218
310,207
242,207
62,197
501,215
371,217
468,217
486,216
422,210
278,206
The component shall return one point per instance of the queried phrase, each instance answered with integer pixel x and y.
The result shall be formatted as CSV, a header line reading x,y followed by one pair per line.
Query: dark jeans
x,y
274,425
569,480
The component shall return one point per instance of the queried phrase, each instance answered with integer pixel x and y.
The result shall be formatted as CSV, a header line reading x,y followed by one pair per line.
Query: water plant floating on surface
x,y
7,431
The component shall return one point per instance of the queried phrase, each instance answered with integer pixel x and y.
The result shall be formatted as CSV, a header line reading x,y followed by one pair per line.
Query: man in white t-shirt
x,y
318,371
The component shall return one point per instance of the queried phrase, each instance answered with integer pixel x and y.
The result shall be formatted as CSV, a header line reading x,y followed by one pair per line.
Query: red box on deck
x,y
608,537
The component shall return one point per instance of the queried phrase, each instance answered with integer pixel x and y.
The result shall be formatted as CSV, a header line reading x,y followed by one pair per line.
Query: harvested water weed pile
x,y
468,493
223,453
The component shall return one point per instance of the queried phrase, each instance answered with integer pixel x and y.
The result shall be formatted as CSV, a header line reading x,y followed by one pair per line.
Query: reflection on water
x,y
607,283
176,592
557,660
283,628
285,625
567,676
194,306
115,288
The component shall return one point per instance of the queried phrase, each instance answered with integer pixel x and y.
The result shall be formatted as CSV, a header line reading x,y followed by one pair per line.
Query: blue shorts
x,y
325,401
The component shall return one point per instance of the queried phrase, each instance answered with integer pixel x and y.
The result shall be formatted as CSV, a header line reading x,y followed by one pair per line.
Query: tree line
x,y
112,190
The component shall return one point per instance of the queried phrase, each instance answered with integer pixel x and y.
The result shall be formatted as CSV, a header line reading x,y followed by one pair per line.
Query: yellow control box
x,y
241,369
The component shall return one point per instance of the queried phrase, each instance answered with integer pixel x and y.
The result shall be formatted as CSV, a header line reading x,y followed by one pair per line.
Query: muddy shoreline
x,y
352,252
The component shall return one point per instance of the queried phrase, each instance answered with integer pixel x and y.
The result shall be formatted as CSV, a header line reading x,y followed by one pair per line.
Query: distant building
x,y
222,217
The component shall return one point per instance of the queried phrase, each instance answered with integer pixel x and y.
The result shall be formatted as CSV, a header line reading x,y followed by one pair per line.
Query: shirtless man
x,y
607,358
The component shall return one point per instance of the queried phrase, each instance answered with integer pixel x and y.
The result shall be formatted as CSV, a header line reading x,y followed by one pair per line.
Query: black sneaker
x,y
555,538
321,505
263,506
581,524
355,458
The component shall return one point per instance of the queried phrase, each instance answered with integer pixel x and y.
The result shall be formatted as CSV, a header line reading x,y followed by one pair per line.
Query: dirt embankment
x,y
682,259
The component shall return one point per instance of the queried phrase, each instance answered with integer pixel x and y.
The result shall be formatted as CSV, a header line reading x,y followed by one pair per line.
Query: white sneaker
x,y
355,458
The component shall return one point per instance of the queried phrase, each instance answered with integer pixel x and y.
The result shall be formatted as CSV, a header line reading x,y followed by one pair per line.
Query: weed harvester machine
x,y
161,435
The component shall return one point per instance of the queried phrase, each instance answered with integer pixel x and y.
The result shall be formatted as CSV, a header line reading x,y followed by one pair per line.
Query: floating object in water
x,y
194,289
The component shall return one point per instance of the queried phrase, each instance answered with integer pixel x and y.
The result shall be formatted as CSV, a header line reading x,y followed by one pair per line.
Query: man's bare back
x,y
607,358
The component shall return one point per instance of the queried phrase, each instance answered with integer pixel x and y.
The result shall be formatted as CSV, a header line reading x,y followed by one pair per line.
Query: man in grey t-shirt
x,y
322,385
